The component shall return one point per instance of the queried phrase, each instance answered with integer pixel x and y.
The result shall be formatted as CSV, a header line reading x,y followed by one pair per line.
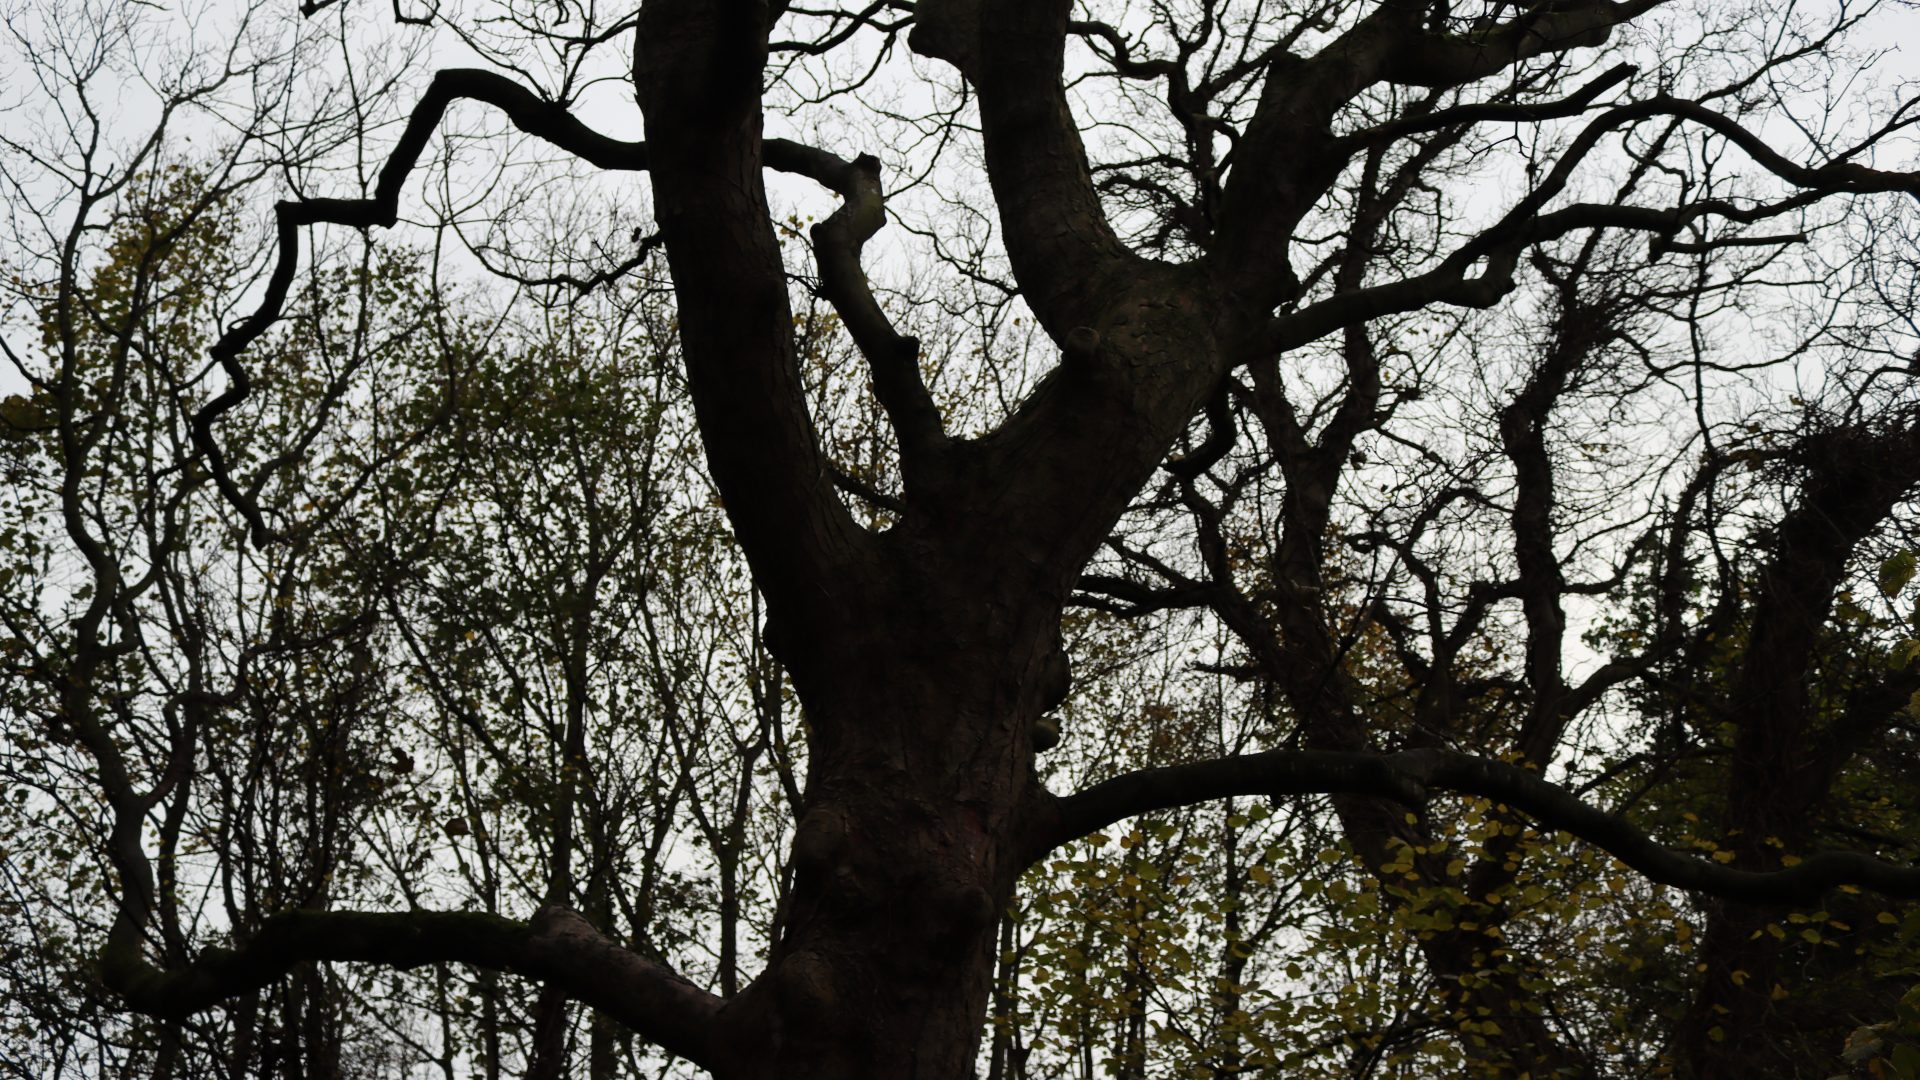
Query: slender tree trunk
x,y
246,1019
1003,1004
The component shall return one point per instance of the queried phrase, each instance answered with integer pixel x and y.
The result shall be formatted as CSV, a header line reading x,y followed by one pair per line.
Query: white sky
x,y
608,106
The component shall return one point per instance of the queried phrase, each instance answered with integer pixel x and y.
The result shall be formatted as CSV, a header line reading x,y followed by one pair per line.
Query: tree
x,y
1279,217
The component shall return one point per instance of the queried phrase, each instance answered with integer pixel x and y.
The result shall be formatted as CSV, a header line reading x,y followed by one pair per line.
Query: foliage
x,y
769,662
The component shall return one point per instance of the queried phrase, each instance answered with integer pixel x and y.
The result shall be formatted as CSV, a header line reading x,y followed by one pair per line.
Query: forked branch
x,y
548,120
1495,252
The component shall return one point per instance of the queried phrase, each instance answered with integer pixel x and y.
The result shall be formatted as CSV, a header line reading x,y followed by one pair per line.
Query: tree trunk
x,y
924,655
909,845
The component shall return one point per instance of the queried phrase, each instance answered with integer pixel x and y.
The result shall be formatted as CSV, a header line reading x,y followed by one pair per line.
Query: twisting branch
x,y
1497,249
314,7
1525,223
1410,776
1128,598
1494,112
864,491
1221,435
1443,60
893,357
854,23
1446,283
557,946
1291,133
549,120
581,286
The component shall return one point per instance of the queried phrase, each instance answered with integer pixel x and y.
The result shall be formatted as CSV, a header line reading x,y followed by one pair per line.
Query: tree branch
x,y
892,357
557,946
529,112
1443,60
1062,247
1496,112
537,116
1409,777
698,71
1526,223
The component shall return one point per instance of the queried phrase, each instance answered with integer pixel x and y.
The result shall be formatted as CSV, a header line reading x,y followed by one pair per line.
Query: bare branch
x,y
557,946
548,120
1410,776
893,357
1499,112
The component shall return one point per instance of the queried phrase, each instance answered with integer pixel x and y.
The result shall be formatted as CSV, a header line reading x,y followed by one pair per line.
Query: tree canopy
x,y
1150,538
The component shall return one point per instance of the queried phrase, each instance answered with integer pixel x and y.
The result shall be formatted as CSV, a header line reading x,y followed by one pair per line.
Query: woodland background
x,y
506,648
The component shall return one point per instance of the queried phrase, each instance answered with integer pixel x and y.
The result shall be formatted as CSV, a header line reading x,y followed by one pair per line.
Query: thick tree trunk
x,y
923,656
921,715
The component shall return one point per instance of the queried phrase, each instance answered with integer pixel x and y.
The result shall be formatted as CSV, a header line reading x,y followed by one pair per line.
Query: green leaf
x,y
1864,1043
1896,572
1905,653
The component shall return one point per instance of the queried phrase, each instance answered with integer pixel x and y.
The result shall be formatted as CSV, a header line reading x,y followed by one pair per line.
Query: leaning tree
x,y
1263,180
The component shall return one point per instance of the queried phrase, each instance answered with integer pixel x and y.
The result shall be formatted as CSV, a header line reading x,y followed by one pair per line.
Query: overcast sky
x,y
608,107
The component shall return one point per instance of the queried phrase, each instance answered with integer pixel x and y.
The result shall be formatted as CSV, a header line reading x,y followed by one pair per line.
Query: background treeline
x,y
506,656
